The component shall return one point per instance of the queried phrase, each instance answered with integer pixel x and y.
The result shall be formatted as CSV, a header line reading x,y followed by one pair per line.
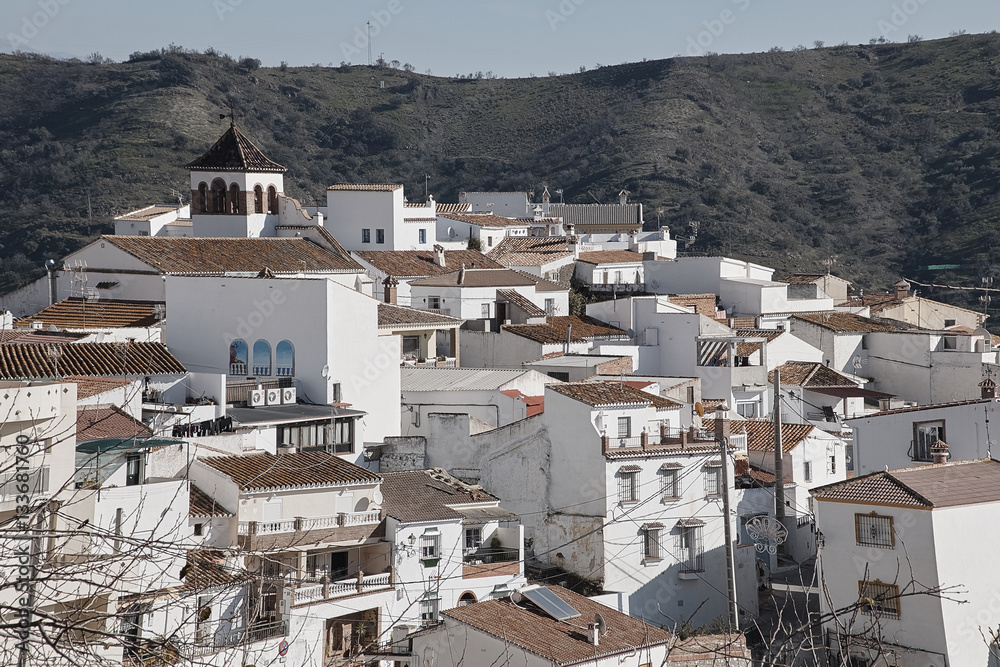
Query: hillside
x,y
885,156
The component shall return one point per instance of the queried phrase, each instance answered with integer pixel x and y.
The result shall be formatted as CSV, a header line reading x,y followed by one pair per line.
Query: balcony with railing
x,y
231,638
265,535
665,438
491,562
360,584
33,483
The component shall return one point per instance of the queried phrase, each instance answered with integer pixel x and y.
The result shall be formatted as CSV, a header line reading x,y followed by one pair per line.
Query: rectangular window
x,y
747,409
651,543
485,313
199,529
833,465
949,323
133,469
669,485
690,551
421,236
379,236
628,486
624,427
429,611
924,435
429,545
550,307
874,530
882,600
143,233
434,302
366,236
950,343
489,241
807,471
713,481
473,538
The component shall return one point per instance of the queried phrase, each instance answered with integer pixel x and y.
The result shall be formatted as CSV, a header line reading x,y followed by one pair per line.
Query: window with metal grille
x,y
428,546
833,465
624,427
628,486
924,435
651,543
713,481
690,549
807,471
879,599
366,236
874,530
429,611
379,236
421,236
669,487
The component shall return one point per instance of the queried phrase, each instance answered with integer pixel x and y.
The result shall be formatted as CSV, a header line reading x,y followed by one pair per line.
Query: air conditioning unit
x,y
274,397
257,397
288,395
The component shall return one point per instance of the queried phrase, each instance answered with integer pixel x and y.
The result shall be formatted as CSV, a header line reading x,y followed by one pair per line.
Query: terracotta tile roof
x,y
421,263
930,406
847,322
543,285
276,471
453,208
201,505
366,187
810,374
207,569
802,278
92,386
534,405
761,476
878,488
609,393
108,359
555,330
149,212
562,643
235,152
530,250
744,322
216,256
476,278
521,301
390,315
611,257
38,336
77,313
760,433
97,422
747,349
427,495
483,219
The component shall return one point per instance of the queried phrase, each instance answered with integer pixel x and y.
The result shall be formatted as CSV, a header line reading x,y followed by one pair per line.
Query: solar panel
x,y
550,603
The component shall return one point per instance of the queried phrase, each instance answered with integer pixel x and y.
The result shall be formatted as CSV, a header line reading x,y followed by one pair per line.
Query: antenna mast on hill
x,y
369,25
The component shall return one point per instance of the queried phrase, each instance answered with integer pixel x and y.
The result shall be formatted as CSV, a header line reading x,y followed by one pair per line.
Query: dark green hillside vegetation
x,y
885,156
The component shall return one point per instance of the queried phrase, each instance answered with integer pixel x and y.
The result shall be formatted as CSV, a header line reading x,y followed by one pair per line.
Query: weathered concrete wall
x,y
403,453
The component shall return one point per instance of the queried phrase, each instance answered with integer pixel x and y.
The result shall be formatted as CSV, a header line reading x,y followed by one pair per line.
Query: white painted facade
x,y
245,224
323,323
378,219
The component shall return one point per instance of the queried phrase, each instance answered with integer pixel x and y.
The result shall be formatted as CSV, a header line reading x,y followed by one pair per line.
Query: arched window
x,y
262,358
203,198
468,597
238,357
284,359
258,199
234,198
272,199
218,196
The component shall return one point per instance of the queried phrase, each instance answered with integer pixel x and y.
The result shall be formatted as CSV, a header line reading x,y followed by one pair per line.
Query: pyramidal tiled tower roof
x,y
235,152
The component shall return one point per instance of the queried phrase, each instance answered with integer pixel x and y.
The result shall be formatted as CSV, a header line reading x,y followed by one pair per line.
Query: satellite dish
x,y
654,284
602,625
326,372
700,409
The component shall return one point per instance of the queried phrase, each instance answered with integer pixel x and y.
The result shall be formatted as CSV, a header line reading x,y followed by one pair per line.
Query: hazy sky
x,y
509,38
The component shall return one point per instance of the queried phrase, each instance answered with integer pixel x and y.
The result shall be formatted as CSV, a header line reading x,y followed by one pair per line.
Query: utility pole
x,y
722,436
779,454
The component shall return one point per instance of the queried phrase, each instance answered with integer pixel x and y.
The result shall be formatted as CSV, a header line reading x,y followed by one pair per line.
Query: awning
x,y
850,392
485,514
107,444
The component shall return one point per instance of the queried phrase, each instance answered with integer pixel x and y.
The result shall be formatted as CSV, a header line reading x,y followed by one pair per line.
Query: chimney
x,y
939,452
461,275
633,241
594,634
721,422
988,388
539,214
902,289
439,254
391,290
573,245
545,201
741,465
623,197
